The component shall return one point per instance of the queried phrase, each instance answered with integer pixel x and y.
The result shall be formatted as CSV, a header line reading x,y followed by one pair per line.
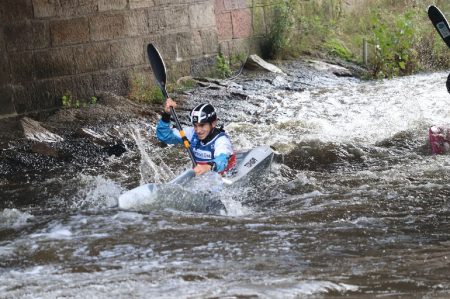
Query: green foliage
x,y
394,38
223,66
141,90
155,95
401,38
237,60
68,101
315,30
433,53
280,31
337,48
318,29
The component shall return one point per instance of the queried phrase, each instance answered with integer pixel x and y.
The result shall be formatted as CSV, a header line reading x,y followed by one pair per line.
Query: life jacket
x,y
204,152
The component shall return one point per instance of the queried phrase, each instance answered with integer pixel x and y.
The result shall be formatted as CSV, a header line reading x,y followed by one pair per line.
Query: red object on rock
x,y
439,139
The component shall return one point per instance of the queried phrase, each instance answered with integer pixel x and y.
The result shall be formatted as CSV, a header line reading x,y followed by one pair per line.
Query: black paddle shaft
x,y
159,70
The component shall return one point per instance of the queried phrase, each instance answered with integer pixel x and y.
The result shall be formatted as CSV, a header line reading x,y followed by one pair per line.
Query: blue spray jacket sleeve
x,y
165,134
221,162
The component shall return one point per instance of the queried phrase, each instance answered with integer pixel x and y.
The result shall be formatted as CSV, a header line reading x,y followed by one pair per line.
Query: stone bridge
x,y
49,48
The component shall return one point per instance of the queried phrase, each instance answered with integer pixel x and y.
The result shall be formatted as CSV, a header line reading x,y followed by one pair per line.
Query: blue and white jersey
x,y
218,149
220,144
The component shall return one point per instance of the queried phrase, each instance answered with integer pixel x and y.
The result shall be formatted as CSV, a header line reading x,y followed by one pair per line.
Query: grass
x,y
401,38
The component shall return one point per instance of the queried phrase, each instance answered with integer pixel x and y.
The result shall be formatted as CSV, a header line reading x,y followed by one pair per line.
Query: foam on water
x,y
288,289
57,232
95,192
149,170
151,286
13,218
323,233
356,111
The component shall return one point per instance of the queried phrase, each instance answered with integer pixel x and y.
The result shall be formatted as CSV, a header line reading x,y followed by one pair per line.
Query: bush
x,y
401,38
394,38
223,66
281,29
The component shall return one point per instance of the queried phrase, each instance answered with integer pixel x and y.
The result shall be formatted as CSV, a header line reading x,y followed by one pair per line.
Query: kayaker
x,y
210,145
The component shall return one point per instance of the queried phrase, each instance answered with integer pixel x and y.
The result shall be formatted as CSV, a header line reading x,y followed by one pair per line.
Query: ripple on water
x,y
356,207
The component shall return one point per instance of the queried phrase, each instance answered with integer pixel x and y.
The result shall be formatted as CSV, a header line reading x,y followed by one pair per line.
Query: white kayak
x,y
249,166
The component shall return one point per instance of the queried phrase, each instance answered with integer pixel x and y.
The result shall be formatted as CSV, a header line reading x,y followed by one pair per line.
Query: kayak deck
x,y
249,165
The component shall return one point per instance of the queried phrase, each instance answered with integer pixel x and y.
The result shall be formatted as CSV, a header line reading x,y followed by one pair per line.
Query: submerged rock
x,y
45,149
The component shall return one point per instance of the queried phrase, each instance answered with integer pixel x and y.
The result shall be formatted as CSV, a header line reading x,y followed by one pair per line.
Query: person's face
x,y
203,130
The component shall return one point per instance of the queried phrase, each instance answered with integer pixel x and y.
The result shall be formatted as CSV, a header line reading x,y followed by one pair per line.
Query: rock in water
x,y
256,62
335,69
34,131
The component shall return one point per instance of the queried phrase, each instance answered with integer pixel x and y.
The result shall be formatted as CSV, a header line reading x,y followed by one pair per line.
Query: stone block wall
x,y
49,48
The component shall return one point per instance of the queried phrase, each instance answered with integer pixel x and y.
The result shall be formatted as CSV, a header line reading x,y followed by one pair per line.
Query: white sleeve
x,y
223,146
189,132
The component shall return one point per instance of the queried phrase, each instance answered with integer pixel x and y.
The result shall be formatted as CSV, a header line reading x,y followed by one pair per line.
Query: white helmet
x,y
203,113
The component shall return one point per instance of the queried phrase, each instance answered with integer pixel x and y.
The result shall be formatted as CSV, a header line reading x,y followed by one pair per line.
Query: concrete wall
x,y
49,48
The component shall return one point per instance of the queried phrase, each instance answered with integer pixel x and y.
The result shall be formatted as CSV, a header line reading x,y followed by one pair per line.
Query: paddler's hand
x,y
201,169
169,103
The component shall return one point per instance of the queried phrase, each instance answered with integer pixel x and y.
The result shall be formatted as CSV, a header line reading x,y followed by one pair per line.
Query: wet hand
x,y
201,169
169,103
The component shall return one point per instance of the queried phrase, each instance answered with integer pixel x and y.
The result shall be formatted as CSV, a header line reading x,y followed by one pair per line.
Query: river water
x,y
353,206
